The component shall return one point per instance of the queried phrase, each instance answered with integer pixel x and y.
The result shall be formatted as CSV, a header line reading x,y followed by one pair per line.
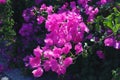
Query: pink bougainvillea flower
x,y
34,62
47,65
49,9
40,19
37,52
38,72
43,7
61,42
68,37
57,52
61,70
109,42
66,48
83,27
54,65
78,48
48,54
100,54
67,62
48,41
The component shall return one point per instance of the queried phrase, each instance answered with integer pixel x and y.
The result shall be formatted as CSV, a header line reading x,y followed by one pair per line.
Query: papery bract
x,y
78,48
61,42
48,54
47,65
34,62
38,72
49,9
54,65
66,48
83,27
109,42
67,62
43,7
37,52
40,19
61,70
57,52
48,41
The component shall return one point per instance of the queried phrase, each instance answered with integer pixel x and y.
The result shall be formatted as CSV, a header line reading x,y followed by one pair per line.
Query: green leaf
x,y
116,28
108,22
113,21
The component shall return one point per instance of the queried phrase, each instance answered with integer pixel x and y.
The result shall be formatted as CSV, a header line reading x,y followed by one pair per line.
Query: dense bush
x,y
69,37
6,22
7,33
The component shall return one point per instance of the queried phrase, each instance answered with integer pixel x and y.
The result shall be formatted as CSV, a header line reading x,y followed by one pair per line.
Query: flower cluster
x,y
89,10
50,62
66,30
33,20
62,36
58,43
64,39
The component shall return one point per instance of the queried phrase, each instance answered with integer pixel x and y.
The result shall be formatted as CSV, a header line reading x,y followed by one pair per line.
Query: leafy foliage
x,y
7,32
113,20
89,58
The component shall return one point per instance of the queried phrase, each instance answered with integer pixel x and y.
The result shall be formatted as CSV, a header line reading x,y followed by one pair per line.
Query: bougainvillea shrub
x,y
75,39
72,29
